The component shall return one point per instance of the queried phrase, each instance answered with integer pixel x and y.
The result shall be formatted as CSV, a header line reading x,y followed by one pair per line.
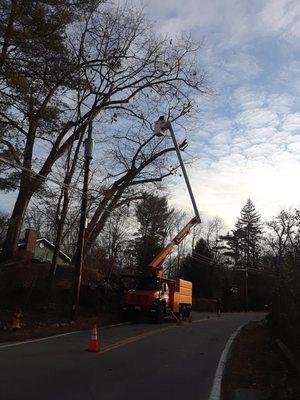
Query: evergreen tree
x,y
230,249
242,245
248,230
198,269
153,215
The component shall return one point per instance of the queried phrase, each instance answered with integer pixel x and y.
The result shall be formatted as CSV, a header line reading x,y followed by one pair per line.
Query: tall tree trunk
x,y
63,214
27,188
15,223
58,240
94,229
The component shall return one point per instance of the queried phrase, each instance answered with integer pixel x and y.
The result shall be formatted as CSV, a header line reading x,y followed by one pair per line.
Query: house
x,y
40,248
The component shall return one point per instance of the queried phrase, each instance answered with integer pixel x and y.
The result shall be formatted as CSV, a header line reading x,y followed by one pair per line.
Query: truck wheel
x,y
183,313
188,312
160,313
127,315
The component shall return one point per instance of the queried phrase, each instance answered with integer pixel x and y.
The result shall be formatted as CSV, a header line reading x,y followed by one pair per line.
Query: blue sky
x,y
247,138
247,135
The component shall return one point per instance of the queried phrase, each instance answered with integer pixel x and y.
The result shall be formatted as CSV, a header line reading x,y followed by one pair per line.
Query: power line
x,y
31,174
200,259
202,255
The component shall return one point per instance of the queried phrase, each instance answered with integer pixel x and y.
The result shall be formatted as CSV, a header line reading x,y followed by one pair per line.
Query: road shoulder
x,y
43,328
256,366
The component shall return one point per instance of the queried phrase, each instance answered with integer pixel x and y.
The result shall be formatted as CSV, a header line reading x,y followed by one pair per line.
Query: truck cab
x,y
149,295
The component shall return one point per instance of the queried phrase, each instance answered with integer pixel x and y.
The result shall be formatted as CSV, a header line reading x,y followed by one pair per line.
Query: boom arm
x,y
160,126
156,264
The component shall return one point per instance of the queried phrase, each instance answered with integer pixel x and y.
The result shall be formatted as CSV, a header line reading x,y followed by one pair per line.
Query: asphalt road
x,y
139,361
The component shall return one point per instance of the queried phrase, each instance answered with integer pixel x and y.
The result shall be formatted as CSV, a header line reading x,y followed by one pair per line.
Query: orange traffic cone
x,y
93,343
190,319
219,313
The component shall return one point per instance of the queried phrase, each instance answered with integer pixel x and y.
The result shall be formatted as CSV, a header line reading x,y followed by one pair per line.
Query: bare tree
x,y
214,229
45,212
281,234
115,59
63,206
177,220
115,237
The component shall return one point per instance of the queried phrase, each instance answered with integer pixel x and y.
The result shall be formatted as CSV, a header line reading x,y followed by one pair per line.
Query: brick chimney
x,y
30,240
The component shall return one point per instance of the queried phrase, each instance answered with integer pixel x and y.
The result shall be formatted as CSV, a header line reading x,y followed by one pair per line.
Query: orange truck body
x,y
170,296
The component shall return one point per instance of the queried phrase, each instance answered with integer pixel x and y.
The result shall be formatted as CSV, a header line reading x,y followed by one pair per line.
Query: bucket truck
x,y
154,293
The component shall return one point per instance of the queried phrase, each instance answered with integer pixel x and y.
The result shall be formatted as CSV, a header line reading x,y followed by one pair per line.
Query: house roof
x,y
49,244
61,253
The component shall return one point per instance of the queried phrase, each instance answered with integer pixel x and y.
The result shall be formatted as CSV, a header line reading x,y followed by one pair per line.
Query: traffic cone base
x,y
93,343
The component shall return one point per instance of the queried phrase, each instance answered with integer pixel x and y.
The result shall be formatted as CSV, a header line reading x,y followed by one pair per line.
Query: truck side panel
x,y
185,289
185,299
176,302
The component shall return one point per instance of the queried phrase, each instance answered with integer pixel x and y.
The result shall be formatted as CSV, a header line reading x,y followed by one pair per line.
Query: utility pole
x,y
246,286
88,156
246,289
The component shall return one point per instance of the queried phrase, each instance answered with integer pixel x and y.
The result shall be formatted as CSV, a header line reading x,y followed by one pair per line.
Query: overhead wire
x,y
202,255
31,173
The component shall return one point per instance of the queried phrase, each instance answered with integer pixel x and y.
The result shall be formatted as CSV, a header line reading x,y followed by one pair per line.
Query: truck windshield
x,y
147,284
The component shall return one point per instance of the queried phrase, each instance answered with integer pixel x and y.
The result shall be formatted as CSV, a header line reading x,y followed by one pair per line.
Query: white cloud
x,y
257,118
221,139
224,189
261,150
292,122
295,147
280,103
281,18
246,98
263,133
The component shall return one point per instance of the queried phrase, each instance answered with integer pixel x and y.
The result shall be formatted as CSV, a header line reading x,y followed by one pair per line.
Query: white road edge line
x,y
38,340
215,393
56,336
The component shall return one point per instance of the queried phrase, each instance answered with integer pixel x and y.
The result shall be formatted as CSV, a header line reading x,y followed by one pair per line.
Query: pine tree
x,y
153,215
242,245
248,231
231,249
197,268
